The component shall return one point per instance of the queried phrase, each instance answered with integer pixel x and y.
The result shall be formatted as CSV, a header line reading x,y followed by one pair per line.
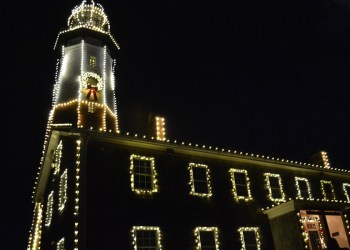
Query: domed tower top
x,y
87,16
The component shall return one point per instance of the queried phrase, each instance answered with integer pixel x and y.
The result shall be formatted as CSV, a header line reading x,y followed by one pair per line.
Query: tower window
x,y
274,184
62,191
143,174
146,238
240,184
207,238
249,238
200,180
92,61
303,188
49,208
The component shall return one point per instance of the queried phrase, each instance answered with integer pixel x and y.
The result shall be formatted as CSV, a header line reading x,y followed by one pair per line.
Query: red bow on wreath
x,y
92,90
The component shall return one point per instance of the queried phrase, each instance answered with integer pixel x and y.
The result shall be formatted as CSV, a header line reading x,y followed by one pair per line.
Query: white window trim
x,y
197,231
267,179
49,209
153,175
234,189
207,172
146,228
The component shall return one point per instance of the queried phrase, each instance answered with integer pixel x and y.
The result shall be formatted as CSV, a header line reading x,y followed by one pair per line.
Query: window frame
x,y
146,228
60,244
299,194
267,180
347,194
323,183
62,194
49,209
57,158
241,231
215,231
234,184
193,191
153,175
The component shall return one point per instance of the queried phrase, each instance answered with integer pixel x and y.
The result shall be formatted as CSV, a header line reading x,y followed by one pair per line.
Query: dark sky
x,y
264,77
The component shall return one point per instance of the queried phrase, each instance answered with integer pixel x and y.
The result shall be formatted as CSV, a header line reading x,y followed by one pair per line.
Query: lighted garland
x,y
241,231
193,191
267,180
77,192
153,175
36,229
234,184
299,195
197,231
303,221
146,228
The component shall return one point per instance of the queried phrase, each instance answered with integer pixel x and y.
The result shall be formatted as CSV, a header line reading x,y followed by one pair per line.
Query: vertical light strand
x,y
76,204
104,73
82,58
113,82
35,233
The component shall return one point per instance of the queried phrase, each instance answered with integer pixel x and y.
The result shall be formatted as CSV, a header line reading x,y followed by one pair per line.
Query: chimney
x,y
321,159
156,127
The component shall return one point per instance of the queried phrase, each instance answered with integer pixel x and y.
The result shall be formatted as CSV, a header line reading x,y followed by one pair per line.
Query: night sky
x,y
263,77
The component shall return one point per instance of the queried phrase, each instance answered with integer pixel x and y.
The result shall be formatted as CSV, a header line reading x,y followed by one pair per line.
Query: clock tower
x,y
84,91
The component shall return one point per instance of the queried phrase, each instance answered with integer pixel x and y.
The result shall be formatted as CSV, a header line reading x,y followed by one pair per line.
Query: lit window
x,y
327,190
303,188
249,238
240,184
274,184
57,156
346,188
146,238
143,174
92,61
200,180
49,208
207,238
62,196
60,244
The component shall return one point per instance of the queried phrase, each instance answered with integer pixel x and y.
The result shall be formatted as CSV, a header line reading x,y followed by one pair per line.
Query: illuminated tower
x,y
84,92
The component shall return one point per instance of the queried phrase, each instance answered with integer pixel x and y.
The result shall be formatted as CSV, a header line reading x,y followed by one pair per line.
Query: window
x,y
91,107
49,208
143,174
207,238
240,184
274,184
327,190
62,195
92,61
200,180
146,238
249,238
60,244
57,156
303,188
346,188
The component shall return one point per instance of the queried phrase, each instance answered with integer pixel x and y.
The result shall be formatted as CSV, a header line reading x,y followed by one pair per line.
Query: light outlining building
x,y
99,188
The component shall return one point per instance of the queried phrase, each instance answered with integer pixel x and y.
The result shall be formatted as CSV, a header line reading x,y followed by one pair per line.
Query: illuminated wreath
x,y
86,80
